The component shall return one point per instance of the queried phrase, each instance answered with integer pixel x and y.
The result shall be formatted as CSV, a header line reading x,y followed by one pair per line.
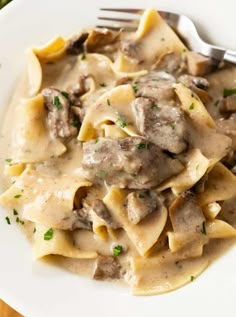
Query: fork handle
x,y
230,56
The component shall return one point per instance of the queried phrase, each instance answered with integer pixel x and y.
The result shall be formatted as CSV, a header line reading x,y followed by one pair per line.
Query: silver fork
x,y
180,23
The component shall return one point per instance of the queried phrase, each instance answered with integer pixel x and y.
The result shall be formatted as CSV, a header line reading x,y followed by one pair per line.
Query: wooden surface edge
x,y
7,311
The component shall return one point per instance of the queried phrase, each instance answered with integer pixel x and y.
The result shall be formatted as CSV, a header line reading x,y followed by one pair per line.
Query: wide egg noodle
x,y
30,138
196,167
220,185
45,200
60,244
52,50
113,106
34,71
160,273
156,38
144,234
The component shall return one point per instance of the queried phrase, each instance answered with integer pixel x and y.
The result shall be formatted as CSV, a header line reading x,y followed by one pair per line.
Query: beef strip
x,y
82,219
140,204
79,88
185,213
131,162
101,211
60,119
165,126
171,63
228,127
131,49
157,85
75,44
107,267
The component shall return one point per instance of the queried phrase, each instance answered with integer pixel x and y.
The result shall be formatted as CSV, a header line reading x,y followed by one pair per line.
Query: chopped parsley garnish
x,y
65,94
103,85
140,196
75,123
56,102
17,196
191,278
155,107
108,102
141,146
15,213
184,50
100,174
162,39
48,235
203,230
197,167
191,107
34,230
216,103
8,220
135,89
8,160
229,92
172,125
117,250
83,57
19,221
122,123
96,141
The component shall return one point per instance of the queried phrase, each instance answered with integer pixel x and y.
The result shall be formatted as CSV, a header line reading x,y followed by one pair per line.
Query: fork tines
x,y
117,23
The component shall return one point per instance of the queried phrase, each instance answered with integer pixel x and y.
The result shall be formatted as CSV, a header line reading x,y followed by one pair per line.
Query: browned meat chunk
x,y
228,127
131,49
171,63
101,211
82,219
140,204
107,268
100,38
75,44
128,163
229,104
156,85
165,126
198,65
185,214
61,121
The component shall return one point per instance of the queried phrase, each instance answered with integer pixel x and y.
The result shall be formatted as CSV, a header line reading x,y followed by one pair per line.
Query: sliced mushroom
x,y
107,267
99,38
140,204
60,119
198,84
75,44
185,214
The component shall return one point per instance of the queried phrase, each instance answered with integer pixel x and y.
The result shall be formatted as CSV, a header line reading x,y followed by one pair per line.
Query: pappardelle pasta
x,y
120,156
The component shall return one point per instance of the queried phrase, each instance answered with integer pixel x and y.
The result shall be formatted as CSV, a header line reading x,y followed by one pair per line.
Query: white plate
x,y
41,290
